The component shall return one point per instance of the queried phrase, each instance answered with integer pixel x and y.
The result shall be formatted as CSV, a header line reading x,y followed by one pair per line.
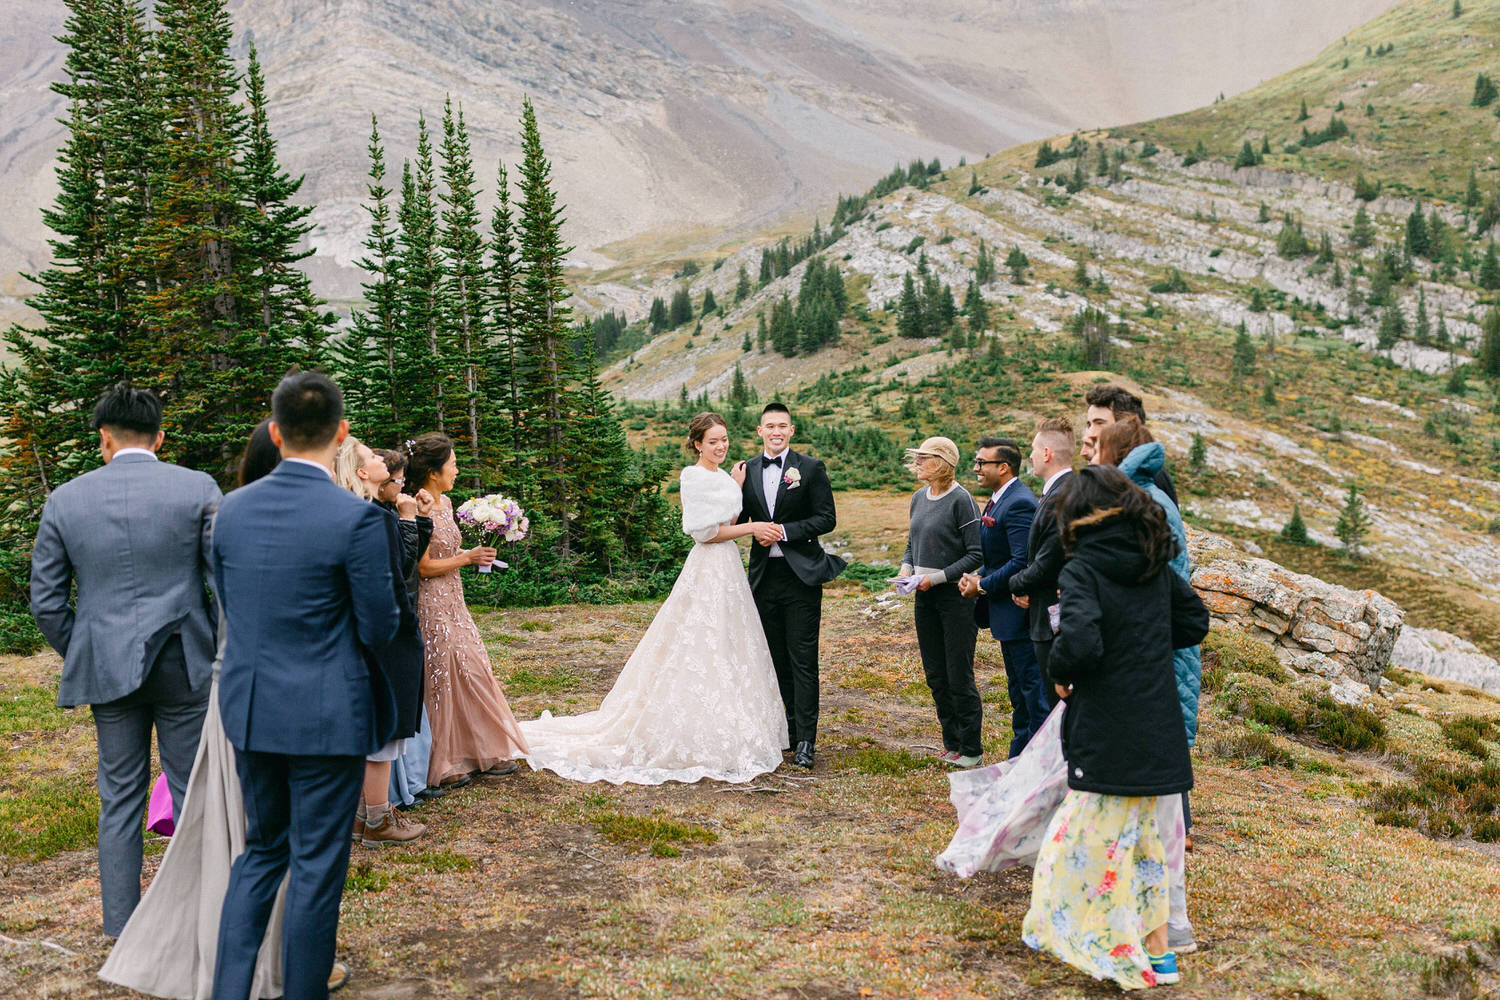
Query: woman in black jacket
x,y
1099,892
409,771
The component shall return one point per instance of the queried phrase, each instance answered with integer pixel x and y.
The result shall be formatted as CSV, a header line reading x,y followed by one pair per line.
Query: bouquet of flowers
x,y
496,517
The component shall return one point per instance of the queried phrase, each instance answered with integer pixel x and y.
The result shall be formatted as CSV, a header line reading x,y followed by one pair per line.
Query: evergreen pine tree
x,y
1243,365
466,298
658,317
1363,233
89,296
1295,530
1416,233
1489,270
1302,114
762,336
681,309
1198,453
976,309
1081,275
984,264
422,275
505,359
742,286
909,319
1489,344
709,305
1392,328
214,366
375,363
1017,262
1353,523
289,315
784,331
544,335
1471,192
765,267
1422,331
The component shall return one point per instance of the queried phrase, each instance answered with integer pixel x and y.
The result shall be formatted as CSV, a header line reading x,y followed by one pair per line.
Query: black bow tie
x,y
774,461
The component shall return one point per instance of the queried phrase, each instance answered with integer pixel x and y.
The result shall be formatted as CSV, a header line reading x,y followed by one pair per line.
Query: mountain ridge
x,y
670,120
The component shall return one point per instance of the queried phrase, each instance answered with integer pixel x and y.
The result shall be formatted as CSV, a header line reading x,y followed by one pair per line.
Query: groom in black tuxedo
x,y
788,567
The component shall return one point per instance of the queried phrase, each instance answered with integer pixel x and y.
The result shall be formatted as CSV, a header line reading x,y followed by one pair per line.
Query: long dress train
x,y
168,947
472,726
698,698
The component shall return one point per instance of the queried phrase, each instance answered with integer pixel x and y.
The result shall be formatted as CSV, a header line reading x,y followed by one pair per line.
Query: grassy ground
x,y
802,884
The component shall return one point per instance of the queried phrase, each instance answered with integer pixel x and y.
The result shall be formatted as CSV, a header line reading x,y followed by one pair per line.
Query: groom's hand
x,y
768,534
968,585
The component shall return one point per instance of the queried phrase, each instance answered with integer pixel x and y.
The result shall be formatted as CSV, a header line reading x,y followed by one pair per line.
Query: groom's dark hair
x,y
130,414
775,407
307,408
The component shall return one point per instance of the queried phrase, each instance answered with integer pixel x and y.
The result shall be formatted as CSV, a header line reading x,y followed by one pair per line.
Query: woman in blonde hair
x,y
943,545
362,471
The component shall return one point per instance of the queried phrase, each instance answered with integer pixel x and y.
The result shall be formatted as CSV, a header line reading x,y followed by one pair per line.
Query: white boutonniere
x,y
792,479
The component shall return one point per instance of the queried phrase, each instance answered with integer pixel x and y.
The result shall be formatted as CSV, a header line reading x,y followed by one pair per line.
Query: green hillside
x,y
1308,338
1405,86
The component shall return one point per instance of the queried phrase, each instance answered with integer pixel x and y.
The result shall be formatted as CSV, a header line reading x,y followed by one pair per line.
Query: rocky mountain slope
x,y
670,123
1319,403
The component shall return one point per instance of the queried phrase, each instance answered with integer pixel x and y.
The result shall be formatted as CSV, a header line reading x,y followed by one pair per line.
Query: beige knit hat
x,y
938,447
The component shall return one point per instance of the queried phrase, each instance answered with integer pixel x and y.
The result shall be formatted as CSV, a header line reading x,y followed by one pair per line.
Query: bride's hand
x,y
738,473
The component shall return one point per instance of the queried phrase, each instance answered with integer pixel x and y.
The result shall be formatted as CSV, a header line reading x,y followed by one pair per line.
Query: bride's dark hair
x,y
425,456
698,426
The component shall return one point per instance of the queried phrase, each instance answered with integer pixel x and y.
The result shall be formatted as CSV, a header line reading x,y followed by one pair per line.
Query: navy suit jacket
x,y
1004,547
304,576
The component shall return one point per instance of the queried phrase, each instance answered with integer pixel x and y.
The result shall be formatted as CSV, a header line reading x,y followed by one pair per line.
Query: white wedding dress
x,y
698,698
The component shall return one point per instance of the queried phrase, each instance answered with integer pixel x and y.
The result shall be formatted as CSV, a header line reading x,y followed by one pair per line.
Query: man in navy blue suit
x,y
304,575
1003,528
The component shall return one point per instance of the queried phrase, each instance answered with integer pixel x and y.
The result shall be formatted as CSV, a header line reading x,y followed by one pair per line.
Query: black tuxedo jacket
x,y
804,509
1044,562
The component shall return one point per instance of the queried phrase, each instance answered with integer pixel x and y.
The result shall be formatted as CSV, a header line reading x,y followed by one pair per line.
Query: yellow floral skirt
x,y
1099,886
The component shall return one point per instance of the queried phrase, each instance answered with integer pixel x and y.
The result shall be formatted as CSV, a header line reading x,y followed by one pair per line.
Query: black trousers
x,y
791,613
946,636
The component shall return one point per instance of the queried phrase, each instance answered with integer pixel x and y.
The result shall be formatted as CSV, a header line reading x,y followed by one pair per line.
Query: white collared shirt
x,y
770,482
995,496
134,451
316,465
1052,481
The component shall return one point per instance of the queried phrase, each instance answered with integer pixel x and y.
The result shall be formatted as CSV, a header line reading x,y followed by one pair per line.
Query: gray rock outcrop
x,y
1315,627
1445,656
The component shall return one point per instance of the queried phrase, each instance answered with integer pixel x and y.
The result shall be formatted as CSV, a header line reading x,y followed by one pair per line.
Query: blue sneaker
x,y
1165,968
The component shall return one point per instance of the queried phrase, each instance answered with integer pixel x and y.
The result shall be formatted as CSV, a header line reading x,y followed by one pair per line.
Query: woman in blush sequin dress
x,y
473,729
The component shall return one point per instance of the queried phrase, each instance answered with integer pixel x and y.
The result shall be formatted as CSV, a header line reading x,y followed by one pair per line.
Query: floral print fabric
x,y
1099,886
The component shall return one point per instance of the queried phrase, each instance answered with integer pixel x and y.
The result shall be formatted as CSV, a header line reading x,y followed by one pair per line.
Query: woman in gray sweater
x,y
942,546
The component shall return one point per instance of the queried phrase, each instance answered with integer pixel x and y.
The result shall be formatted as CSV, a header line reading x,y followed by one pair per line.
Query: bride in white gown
x,y
698,697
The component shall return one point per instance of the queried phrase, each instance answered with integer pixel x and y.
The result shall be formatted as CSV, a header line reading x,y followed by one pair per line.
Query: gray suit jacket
x,y
135,535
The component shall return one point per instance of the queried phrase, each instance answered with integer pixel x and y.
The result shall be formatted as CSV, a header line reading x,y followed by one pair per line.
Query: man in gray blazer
x,y
139,645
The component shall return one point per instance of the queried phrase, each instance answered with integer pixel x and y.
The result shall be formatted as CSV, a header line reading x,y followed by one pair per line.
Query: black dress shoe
x,y
804,755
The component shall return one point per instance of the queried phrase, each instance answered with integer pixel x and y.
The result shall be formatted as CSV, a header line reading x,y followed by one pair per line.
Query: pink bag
x,y
159,812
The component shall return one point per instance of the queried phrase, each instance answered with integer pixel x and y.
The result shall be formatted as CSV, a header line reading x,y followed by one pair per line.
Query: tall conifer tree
x,y
505,358
544,325
422,271
465,289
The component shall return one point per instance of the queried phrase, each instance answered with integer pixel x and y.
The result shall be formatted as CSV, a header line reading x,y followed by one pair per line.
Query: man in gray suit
x,y
139,646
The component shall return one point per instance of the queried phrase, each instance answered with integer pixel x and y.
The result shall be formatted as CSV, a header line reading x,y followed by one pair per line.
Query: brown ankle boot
x,y
394,828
